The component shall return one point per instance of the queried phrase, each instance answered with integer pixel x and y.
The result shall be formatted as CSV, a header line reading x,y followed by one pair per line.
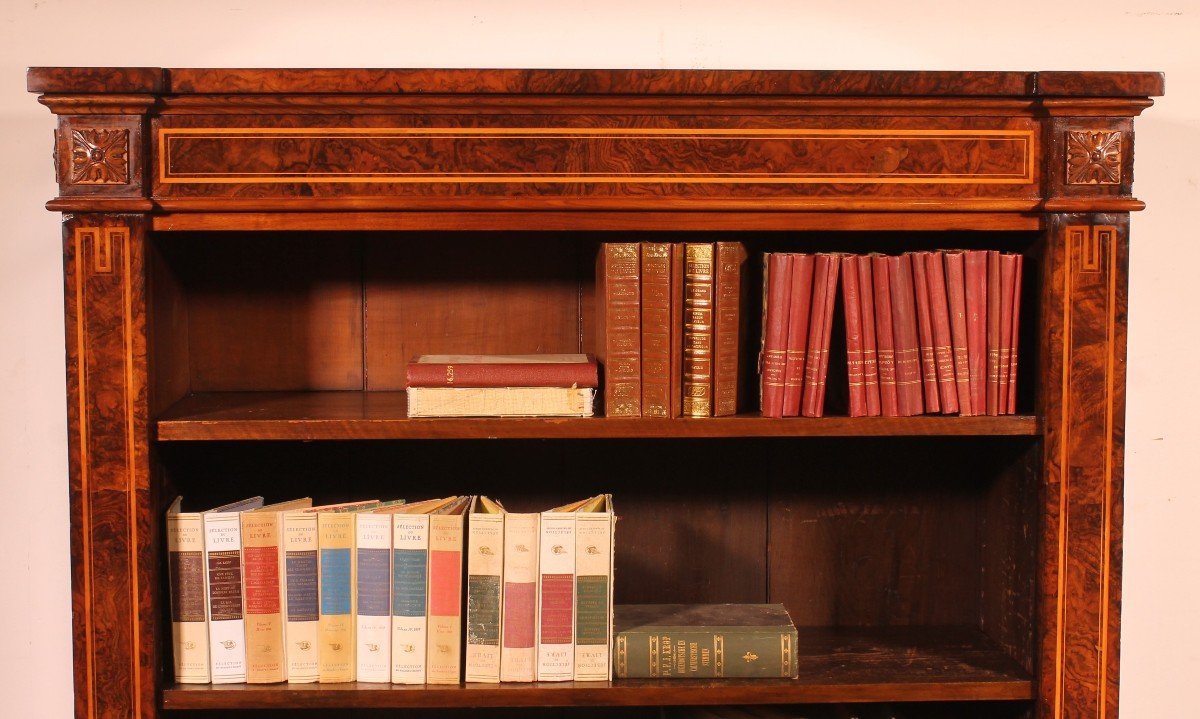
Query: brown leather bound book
x,y
619,327
727,338
925,332
855,377
820,329
885,346
698,329
656,328
1008,276
800,309
677,257
956,298
995,292
777,292
866,306
1016,335
909,399
975,269
939,310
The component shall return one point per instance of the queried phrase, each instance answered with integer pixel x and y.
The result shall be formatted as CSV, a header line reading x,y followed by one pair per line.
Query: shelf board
x,y
381,415
836,665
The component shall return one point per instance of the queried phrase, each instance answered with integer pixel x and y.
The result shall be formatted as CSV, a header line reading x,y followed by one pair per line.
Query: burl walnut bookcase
x,y
252,255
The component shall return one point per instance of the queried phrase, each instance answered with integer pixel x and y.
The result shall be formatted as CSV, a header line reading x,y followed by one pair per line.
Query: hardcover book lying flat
x,y
536,370
500,401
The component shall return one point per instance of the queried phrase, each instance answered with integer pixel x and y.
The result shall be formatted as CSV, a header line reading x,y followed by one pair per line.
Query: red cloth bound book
x,y
799,312
975,269
956,298
884,337
1016,334
813,402
939,309
539,370
925,331
777,289
994,294
866,304
855,372
1008,276
727,330
904,328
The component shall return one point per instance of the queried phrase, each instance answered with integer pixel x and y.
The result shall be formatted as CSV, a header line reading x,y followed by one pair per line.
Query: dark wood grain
x,y
94,79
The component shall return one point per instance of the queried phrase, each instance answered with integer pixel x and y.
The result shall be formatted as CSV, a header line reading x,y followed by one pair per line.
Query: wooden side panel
x,y
114,537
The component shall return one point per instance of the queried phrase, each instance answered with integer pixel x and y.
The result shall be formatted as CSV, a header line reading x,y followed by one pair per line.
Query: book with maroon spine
x,y
975,283
943,355
619,327
855,377
777,288
956,300
831,284
820,328
909,400
536,370
1016,335
995,291
1008,275
929,378
698,319
798,312
885,347
677,257
866,305
656,329
727,330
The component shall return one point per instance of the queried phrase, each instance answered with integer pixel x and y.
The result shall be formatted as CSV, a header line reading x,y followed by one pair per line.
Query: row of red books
x,y
926,332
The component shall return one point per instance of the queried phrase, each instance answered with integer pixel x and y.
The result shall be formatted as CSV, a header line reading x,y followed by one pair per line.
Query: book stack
x,y
539,385
670,327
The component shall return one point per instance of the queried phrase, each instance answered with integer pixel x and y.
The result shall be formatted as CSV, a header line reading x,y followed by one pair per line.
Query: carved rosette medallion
x,y
1093,158
100,157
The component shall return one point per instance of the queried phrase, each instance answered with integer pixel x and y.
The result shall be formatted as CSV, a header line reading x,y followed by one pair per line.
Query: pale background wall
x,y
1161,652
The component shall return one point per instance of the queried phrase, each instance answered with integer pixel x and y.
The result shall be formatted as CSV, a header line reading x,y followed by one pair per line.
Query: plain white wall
x,y
1161,650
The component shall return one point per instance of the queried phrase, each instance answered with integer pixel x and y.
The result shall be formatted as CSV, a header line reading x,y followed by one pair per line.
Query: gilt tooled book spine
x,y
518,648
410,579
443,655
909,393
727,330
811,391
799,310
335,627
777,288
1016,334
956,299
698,330
1008,276
677,283
995,291
226,620
485,570
373,590
884,337
866,300
618,280
656,329
189,627
266,659
929,376
975,269
855,374
943,355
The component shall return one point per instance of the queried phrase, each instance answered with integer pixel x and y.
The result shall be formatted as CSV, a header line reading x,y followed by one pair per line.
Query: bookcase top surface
x,y
188,81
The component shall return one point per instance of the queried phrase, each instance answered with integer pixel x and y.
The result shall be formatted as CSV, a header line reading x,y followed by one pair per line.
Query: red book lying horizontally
x,y
539,370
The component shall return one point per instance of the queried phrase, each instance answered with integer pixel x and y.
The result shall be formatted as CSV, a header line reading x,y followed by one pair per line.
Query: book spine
x,y
929,376
698,330
518,650
620,340
1008,276
943,355
777,287
810,398
884,337
798,309
855,372
443,660
956,299
502,374
727,332
830,297
410,585
226,623
975,268
904,327
656,330
189,625
866,299
500,401
373,597
995,291
556,598
677,282
485,570
593,595
266,660
335,566
300,596
687,653
1016,335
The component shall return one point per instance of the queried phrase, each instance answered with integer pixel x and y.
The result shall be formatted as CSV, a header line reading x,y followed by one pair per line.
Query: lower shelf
x,y
836,665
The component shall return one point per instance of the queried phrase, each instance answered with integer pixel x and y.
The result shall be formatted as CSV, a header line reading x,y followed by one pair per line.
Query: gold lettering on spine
x,y
622,656
653,655
719,652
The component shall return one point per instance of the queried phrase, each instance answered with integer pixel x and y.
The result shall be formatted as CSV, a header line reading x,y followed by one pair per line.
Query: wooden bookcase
x,y
251,256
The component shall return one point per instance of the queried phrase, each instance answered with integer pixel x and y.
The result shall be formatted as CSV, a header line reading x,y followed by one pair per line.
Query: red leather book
x,y
812,404
727,332
677,257
777,288
816,330
995,293
925,331
1016,334
939,309
884,337
698,290
545,370
656,328
799,311
1008,275
975,269
956,298
866,306
855,377
619,327
909,399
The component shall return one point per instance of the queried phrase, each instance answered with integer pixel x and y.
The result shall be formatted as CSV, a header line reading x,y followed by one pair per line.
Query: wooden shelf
x,y
846,665
381,415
